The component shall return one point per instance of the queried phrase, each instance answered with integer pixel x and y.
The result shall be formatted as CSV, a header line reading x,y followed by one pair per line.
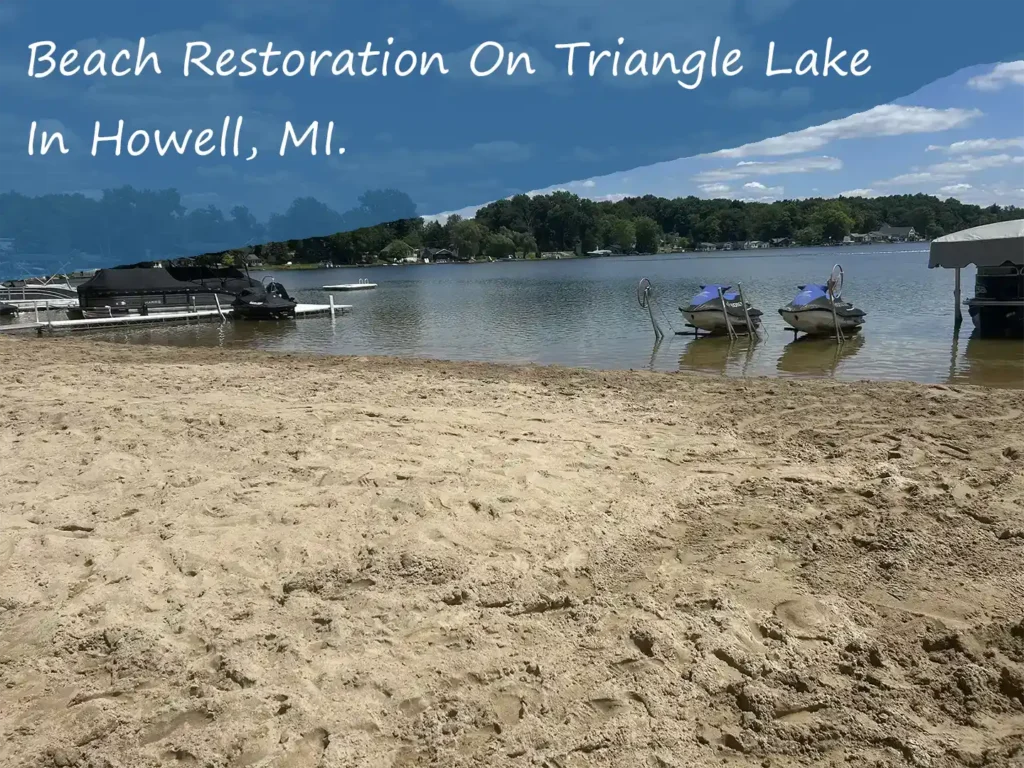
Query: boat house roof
x,y
990,245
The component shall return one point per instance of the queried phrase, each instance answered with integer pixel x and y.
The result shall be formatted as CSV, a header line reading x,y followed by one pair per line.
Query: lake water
x,y
584,312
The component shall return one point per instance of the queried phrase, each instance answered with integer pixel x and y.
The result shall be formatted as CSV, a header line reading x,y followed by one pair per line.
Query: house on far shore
x,y
706,247
887,234
781,242
437,255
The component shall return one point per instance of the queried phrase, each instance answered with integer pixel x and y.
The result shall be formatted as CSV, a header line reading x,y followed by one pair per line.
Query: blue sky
x,y
961,136
457,140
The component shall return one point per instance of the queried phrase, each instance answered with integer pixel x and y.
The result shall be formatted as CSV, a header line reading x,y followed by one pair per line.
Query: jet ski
x,y
705,311
811,312
7,309
270,302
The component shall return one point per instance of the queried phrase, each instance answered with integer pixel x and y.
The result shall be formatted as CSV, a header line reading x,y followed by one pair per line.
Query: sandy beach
x,y
233,559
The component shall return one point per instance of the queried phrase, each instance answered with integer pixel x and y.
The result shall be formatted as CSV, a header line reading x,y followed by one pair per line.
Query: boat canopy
x,y
136,281
991,245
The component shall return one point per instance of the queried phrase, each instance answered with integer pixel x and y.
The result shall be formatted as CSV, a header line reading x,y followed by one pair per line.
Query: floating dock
x,y
350,287
301,310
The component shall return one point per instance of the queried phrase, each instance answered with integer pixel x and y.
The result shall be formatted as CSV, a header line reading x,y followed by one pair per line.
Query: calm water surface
x,y
585,313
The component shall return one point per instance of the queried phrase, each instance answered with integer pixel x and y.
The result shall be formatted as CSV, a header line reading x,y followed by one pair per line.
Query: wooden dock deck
x,y
52,326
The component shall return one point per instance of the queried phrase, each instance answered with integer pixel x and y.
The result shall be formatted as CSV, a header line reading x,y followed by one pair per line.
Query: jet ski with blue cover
x,y
705,311
818,308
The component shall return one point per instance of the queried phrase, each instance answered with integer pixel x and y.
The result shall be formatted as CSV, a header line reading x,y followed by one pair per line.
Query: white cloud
x,y
761,193
588,184
763,190
745,169
1008,73
909,179
952,189
858,193
971,146
884,120
715,189
971,164
952,171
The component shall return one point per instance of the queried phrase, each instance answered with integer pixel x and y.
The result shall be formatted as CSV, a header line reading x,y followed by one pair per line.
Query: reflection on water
x,y
721,355
988,362
808,356
584,313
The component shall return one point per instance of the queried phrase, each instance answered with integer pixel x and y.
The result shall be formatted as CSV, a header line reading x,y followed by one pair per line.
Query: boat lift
x,y
645,297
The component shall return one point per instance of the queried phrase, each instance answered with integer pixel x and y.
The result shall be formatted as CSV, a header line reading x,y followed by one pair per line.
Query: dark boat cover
x,y
257,302
136,281
219,279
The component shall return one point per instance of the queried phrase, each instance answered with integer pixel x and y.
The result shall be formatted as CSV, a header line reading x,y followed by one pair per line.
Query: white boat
x,y
599,252
362,285
28,293
705,311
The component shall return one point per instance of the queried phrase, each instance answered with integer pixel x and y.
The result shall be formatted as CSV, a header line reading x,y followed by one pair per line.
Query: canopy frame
x,y
990,245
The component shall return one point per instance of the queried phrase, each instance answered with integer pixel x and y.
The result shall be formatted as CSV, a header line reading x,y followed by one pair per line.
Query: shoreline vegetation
x,y
564,225
249,558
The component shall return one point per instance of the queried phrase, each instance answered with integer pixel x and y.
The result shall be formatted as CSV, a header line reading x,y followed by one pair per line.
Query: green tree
x,y
499,247
396,250
922,219
810,235
435,236
648,234
833,220
623,234
468,237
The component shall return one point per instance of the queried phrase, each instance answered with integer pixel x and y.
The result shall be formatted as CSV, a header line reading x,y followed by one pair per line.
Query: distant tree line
x,y
564,222
126,225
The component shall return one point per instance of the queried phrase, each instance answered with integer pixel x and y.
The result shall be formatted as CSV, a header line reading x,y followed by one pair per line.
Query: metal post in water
x,y
658,335
35,306
216,298
725,314
957,314
746,312
644,299
835,318
331,297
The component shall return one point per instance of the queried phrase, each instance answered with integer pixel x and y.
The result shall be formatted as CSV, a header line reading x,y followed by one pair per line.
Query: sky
x,y
961,136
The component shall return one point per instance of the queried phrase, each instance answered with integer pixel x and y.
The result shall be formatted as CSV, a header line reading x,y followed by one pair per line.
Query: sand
x,y
227,559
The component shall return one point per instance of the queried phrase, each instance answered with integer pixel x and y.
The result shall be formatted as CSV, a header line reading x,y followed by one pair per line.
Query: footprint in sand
x,y
805,618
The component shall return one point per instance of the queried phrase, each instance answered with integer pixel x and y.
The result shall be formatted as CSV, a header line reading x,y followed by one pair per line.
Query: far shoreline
x,y
569,256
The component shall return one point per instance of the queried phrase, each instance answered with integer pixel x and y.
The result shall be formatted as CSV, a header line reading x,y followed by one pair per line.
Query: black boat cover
x,y
220,279
136,281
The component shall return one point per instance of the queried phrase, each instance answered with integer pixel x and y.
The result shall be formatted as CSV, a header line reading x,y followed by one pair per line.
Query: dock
x,y
350,287
301,310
